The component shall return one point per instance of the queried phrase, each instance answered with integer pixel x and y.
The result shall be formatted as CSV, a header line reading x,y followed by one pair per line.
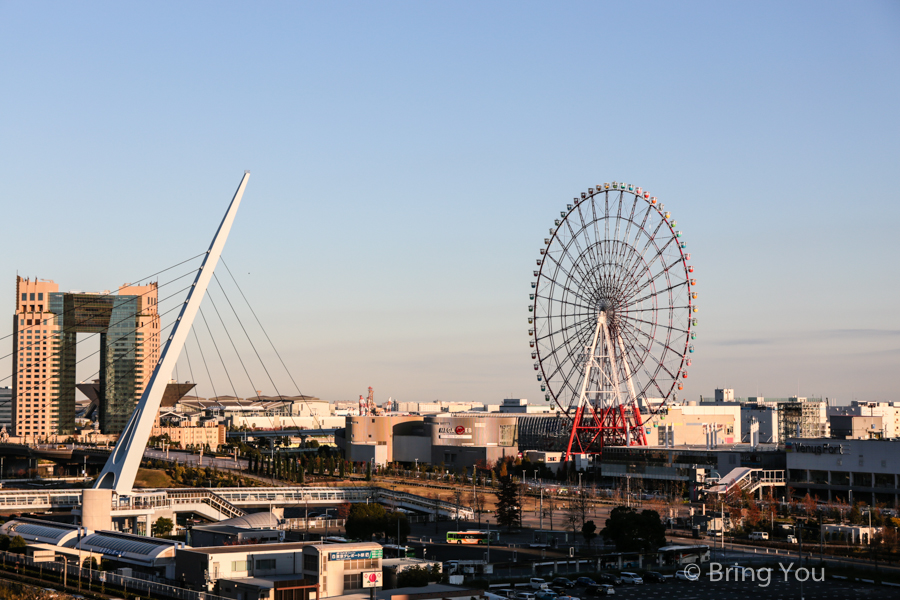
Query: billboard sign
x,y
372,579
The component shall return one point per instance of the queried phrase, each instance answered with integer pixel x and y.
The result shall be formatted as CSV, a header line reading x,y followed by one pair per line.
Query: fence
x,y
144,584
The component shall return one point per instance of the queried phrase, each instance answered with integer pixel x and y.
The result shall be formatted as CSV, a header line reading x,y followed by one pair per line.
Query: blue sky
x,y
408,159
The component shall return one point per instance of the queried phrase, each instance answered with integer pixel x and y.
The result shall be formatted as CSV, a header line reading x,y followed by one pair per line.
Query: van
x,y
792,539
538,584
759,535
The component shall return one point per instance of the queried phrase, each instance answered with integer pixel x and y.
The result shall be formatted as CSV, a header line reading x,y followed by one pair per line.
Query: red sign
x,y
373,577
460,430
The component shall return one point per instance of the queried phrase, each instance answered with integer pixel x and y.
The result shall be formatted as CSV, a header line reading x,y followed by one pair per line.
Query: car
x,y
524,596
792,539
631,578
567,598
585,581
546,595
537,583
605,590
686,575
563,581
654,577
592,590
609,578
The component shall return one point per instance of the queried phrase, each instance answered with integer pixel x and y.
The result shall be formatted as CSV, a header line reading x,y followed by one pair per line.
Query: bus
x,y
471,537
394,551
684,555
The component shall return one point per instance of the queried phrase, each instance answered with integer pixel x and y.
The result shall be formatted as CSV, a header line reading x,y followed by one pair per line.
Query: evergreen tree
x,y
368,471
343,468
509,509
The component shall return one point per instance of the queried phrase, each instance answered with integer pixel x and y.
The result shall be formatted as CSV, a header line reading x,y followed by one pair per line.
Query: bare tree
x,y
478,503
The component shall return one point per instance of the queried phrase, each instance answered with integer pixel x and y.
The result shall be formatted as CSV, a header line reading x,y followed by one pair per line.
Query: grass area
x,y
153,478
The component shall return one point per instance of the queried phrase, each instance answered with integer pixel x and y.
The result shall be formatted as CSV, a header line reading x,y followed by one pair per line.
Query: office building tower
x,y
45,336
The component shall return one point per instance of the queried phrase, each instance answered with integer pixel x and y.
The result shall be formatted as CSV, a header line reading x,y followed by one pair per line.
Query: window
x,y
24,296
352,582
240,565
32,296
311,563
265,564
40,295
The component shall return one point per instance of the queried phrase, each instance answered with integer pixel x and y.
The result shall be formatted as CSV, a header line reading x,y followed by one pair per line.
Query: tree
x,y
368,471
343,468
589,532
163,526
631,531
414,577
17,545
509,509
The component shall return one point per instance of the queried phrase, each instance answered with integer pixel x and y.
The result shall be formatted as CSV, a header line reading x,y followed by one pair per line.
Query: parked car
x,y
546,595
685,575
792,539
585,581
606,589
538,584
563,581
522,595
654,577
631,578
609,578
567,598
759,535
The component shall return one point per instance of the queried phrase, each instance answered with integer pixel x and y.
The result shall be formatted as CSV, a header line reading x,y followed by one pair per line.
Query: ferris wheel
x,y
613,315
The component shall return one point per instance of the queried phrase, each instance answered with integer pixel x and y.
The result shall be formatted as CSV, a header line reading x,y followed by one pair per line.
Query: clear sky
x,y
408,158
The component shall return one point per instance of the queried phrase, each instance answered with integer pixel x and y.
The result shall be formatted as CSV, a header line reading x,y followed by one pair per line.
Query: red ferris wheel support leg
x,y
575,426
639,425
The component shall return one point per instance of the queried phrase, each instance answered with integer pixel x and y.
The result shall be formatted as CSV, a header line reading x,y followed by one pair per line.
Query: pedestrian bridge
x,y
224,503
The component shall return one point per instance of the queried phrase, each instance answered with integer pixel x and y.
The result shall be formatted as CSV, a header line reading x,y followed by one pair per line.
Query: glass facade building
x,y
128,326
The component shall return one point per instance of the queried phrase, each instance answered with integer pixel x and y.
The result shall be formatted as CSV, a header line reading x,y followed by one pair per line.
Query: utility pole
x,y
457,494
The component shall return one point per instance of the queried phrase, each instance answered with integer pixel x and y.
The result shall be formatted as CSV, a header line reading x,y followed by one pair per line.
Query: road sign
x,y
371,579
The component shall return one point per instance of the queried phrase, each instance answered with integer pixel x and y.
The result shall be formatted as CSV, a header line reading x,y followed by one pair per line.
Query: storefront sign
x,y
371,579
814,448
356,554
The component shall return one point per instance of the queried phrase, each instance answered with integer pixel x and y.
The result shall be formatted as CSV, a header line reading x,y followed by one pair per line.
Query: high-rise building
x,y
45,332
6,408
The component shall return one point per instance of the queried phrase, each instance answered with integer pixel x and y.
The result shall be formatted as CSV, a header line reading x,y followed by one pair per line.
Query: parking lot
x,y
704,589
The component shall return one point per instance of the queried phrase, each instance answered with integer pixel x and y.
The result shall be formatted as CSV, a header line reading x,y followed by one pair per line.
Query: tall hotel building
x,y
45,332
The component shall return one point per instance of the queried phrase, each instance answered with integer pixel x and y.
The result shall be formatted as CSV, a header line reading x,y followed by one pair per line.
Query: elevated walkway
x,y
745,479
227,503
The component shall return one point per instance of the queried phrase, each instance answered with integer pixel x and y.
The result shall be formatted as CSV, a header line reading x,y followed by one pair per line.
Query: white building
x,y
520,405
261,571
888,411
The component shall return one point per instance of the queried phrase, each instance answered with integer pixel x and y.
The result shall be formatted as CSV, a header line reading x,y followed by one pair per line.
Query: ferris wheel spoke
x,y
552,283
671,288
662,325
577,260
664,269
563,329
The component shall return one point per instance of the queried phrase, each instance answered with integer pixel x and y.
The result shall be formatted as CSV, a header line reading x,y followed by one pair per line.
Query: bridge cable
x,y
267,337
252,345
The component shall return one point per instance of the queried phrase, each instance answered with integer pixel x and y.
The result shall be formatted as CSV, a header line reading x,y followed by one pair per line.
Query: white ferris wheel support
x,y
609,377
122,466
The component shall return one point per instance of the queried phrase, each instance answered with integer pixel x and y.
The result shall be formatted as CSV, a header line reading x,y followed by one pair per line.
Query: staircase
x,y
227,510
745,479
